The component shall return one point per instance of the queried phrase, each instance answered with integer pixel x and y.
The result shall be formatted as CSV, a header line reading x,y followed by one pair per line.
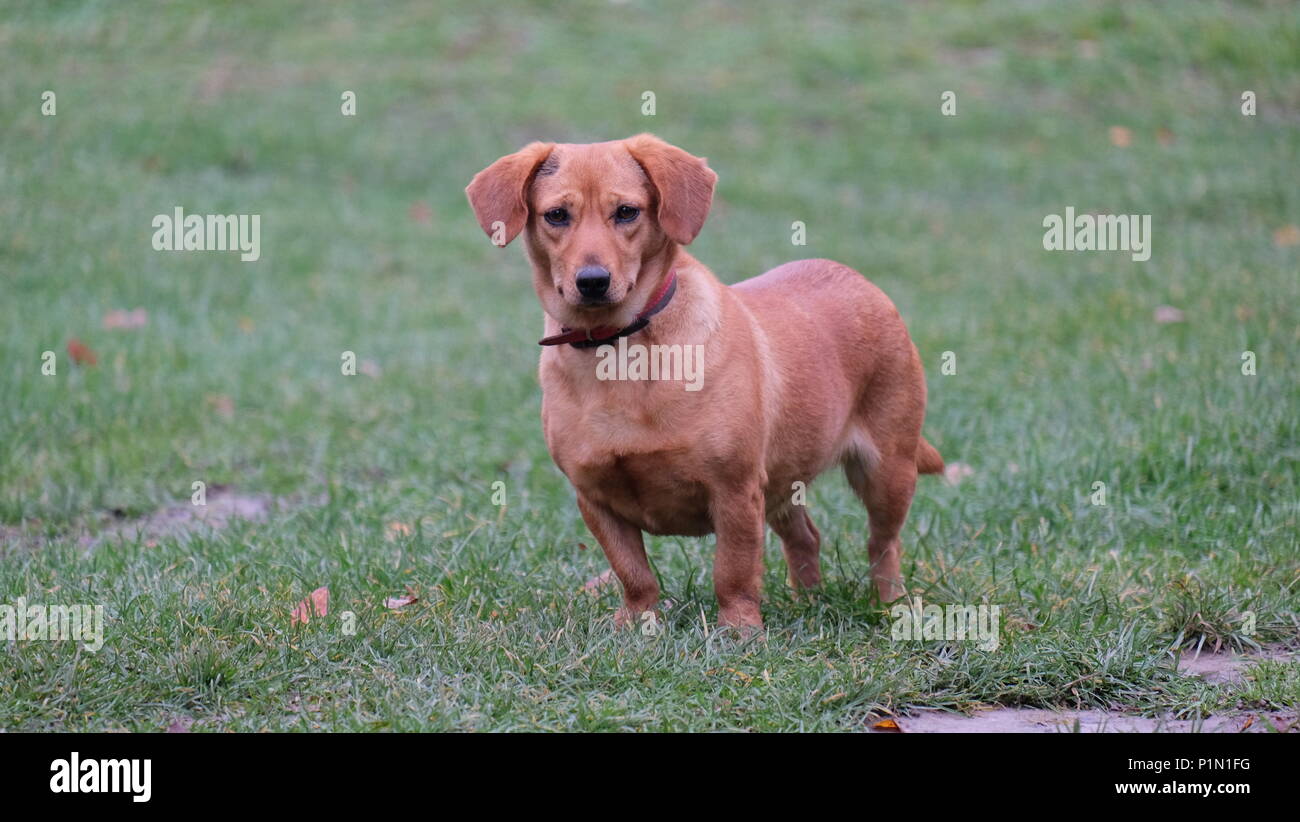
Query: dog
x,y
806,367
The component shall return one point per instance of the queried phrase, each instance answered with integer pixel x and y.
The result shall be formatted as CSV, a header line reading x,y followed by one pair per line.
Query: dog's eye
x,y
557,216
626,214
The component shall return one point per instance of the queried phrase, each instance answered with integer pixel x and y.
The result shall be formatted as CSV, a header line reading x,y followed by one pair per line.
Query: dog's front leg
x,y
738,565
625,550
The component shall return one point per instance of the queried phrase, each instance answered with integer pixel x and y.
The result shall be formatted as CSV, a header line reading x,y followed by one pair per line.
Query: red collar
x,y
600,336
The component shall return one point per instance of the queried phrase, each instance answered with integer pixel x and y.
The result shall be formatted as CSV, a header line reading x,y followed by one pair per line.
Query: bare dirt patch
x,y
1039,721
1226,666
1219,668
224,505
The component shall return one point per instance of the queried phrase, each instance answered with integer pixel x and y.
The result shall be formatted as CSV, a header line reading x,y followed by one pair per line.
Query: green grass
x,y
825,114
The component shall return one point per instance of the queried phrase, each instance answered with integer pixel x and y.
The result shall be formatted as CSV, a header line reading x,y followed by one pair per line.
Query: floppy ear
x,y
499,193
683,181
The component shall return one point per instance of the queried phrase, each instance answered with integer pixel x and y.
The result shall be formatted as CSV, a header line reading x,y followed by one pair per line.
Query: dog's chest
x,y
658,491
632,463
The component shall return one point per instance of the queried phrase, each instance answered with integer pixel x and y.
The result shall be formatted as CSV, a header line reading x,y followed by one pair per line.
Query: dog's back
x,y
821,317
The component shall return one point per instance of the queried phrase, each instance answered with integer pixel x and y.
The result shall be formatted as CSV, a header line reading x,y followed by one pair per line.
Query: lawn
x,y
383,482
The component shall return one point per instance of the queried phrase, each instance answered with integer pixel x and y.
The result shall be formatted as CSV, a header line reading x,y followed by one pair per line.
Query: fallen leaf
x,y
1166,314
318,604
1120,136
295,705
398,529
955,472
1019,624
81,353
1165,137
600,581
887,726
117,318
420,212
223,405
1287,235
396,603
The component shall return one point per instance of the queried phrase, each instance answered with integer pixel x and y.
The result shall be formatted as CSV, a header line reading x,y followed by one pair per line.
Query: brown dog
x,y
805,367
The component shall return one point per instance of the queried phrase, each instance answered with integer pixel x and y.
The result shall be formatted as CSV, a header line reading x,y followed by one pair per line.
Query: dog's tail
x,y
928,460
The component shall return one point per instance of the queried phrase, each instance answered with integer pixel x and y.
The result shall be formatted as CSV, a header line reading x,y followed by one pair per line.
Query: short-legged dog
x,y
804,367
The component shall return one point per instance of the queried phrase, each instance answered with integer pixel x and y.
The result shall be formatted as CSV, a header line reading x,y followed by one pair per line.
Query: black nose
x,y
593,281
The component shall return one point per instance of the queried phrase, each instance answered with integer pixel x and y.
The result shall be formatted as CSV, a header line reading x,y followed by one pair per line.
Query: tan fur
x,y
805,367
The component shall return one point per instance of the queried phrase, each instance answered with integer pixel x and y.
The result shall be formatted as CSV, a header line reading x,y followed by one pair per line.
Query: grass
x,y
829,116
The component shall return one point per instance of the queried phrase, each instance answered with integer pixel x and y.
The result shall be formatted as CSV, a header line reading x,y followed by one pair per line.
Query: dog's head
x,y
596,217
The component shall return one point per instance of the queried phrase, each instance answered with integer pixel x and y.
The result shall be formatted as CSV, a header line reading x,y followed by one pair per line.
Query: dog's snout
x,y
593,281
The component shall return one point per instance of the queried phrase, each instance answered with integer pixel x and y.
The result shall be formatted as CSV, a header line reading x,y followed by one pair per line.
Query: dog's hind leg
x,y
885,485
801,543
